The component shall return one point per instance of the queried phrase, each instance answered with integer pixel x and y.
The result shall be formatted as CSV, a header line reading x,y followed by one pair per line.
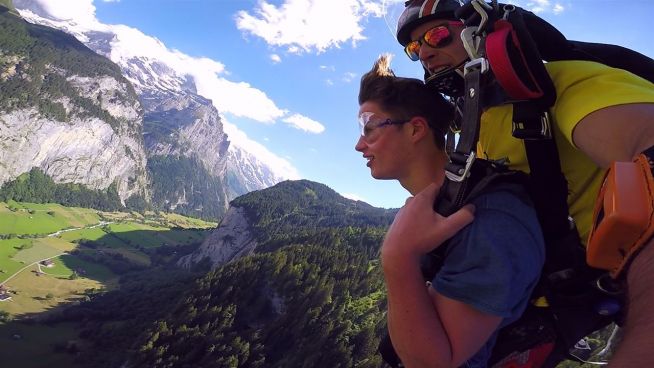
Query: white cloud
x,y
540,6
558,8
349,77
82,12
329,68
279,165
304,123
131,42
275,58
239,99
329,82
309,25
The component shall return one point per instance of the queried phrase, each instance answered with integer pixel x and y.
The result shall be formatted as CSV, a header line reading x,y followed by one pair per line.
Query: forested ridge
x,y
302,306
313,298
302,211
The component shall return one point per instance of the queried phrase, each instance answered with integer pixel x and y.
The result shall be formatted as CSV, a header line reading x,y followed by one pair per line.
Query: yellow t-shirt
x,y
581,87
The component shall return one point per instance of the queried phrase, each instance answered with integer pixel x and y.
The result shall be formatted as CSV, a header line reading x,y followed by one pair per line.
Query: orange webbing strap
x,y
623,220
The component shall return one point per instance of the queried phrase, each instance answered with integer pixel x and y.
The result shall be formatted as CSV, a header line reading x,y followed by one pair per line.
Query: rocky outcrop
x,y
230,241
83,151
67,111
186,125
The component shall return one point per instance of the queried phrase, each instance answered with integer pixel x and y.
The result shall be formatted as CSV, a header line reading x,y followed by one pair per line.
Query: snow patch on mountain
x,y
157,72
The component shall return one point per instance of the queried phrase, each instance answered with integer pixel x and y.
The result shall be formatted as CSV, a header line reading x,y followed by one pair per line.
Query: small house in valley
x,y
4,294
47,263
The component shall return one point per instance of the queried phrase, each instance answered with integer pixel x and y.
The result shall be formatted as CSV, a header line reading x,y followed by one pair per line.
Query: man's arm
x,y
616,133
619,133
430,330
427,330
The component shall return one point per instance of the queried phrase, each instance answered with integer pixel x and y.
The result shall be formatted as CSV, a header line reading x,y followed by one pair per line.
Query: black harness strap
x,y
462,158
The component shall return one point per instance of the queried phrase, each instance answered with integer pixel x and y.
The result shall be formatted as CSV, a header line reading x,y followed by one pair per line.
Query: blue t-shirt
x,y
494,263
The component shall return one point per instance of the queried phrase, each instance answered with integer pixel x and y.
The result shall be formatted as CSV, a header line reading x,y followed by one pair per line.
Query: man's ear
x,y
420,128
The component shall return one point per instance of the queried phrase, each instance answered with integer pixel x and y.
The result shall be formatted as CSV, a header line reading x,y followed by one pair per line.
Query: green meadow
x,y
31,218
65,265
85,249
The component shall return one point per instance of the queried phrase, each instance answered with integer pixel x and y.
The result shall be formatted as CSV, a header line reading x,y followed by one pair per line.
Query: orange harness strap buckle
x,y
623,219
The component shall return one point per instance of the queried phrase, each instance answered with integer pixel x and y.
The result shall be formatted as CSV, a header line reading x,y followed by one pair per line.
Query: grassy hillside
x,y
32,219
30,233
88,252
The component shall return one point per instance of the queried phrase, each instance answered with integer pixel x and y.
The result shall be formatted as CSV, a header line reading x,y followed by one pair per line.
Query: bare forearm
x,y
616,133
635,349
416,330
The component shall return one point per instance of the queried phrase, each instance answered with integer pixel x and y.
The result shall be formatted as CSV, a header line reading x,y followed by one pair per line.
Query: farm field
x,y
31,218
36,294
52,255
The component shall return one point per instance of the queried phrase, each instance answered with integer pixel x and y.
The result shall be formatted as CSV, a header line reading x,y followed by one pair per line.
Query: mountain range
x,y
109,116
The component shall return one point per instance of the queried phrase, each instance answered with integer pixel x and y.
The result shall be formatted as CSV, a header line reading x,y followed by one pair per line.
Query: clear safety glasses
x,y
436,37
369,126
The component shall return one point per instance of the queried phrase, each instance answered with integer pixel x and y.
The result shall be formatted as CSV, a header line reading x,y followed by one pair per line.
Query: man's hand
x,y
418,229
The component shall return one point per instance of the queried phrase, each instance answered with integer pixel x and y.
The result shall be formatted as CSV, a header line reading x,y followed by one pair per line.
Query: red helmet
x,y
418,12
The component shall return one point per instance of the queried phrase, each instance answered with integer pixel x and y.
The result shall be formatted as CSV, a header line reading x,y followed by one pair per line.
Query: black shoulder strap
x,y
554,46
617,57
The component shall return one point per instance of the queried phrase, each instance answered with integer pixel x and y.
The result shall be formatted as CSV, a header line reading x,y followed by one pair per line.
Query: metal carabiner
x,y
508,9
471,41
481,7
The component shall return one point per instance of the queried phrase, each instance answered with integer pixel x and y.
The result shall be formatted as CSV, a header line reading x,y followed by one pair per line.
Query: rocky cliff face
x,y
231,240
67,111
178,124
82,151
186,125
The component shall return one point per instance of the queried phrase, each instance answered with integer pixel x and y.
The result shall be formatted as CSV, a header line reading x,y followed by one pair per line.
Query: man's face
x,y
382,142
445,36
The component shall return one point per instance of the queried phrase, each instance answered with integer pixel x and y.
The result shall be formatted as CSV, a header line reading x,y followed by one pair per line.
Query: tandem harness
x,y
506,49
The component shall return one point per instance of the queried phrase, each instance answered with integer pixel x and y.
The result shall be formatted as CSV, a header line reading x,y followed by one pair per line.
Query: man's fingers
x,y
408,200
462,217
430,191
457,221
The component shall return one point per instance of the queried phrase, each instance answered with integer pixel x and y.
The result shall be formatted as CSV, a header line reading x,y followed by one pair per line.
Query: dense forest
x,y
36,187
301,212
183,177
301,306
174,176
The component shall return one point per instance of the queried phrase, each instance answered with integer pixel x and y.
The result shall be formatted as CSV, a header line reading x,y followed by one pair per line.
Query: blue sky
x,y
301,61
